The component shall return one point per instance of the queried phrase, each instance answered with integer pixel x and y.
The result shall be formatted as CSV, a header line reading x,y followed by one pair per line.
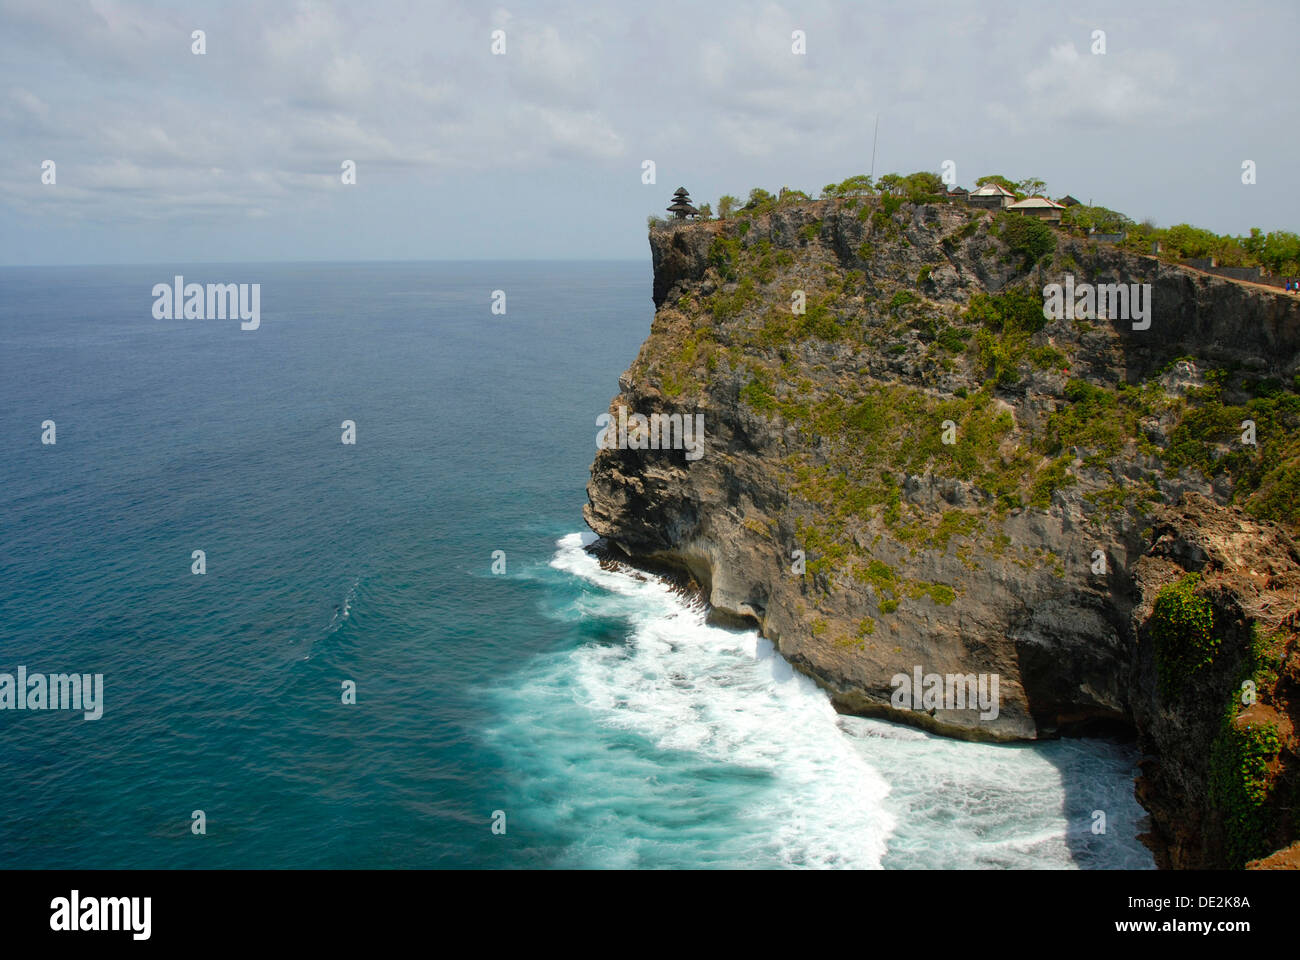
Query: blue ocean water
x,y
595,708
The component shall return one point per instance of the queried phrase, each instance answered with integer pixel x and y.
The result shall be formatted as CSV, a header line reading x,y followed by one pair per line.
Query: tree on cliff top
x,y
858,185
1279,250
919,187
890,182
923,186
759,199
1031,187
1084,217
1002,182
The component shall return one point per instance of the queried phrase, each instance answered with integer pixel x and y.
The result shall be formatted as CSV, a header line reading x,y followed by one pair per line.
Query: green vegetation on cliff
x,y
1277,251
1183,630
1243,781
1257,803
1008,322
1000,340
1241,786
1026,238
1265,475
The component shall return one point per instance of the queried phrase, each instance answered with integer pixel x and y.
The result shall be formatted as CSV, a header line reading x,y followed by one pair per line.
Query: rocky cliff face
x,y
1221,780
907,466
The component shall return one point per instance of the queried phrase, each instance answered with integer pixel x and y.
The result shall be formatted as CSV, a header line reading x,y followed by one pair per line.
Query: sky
x,y
163,155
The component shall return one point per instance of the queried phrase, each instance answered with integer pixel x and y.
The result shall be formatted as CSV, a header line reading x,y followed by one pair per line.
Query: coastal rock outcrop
x,y
908,465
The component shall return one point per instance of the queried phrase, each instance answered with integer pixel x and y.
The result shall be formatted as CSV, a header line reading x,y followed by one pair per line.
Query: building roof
x,y
1069,201
682,203
1035,203
992,190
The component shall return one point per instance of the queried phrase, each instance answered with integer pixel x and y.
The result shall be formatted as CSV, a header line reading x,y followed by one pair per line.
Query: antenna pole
x,y
873,150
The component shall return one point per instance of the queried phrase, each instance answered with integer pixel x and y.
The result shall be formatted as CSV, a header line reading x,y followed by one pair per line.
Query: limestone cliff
x,y
907,465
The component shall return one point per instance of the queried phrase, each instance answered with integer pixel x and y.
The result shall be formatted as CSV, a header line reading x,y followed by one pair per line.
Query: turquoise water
x,y
595,708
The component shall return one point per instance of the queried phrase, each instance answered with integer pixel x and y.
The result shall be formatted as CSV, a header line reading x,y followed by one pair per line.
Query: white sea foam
x,y
727,697
342,613
693,745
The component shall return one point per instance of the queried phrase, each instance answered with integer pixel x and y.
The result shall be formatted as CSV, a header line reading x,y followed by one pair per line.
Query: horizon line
x,y
201,263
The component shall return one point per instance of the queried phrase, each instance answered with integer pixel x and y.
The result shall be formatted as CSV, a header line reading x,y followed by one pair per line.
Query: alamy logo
x,y
215,301
952,691
1089,301
73,913
58,691
659,431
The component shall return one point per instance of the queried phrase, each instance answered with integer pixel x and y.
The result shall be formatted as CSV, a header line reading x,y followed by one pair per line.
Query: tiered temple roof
x,y
681,205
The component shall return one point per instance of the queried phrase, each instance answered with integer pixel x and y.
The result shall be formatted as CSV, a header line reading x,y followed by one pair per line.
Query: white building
x,y
1039,207
991,196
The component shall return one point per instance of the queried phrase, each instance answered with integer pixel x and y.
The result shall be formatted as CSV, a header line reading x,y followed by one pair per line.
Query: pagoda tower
x,y
681,205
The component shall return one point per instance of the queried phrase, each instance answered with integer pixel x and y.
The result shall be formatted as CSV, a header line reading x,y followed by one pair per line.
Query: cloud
x,y
1112,89
307,87
144,131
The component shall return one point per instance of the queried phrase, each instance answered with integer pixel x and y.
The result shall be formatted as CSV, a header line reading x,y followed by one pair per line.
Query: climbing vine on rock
x,y
1182,626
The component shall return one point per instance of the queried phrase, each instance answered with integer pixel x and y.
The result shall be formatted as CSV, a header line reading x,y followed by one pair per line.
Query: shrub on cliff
x,y
900,299
882,218
723,254
1011,311
818,322
1025,237
1266,477
1009,319
1095,419
1278,496
1048,480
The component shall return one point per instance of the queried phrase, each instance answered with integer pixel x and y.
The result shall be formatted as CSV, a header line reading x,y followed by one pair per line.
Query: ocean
x,y
551,715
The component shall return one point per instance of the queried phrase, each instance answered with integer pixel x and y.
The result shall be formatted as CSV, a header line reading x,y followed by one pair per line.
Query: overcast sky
x,y
166,156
